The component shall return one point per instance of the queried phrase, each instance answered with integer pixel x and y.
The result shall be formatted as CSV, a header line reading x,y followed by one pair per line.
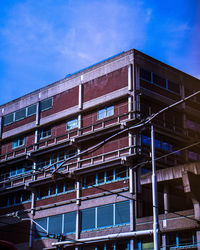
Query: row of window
x,y
159,81
57,188
15,170
103,177
26,112
57,157
158,144
91,218
71,124
16,198
106,176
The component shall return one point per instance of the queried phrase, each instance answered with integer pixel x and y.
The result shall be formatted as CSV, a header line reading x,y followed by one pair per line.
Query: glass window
x,y
88,218
70,222
46,104
174,87
8,119
120,173
122,212
90,180
18,142
31,110
20,114
146,75
39,232
105,112
105,215
43,133
100,177
109,175
42,163
55,224
159,80
72,124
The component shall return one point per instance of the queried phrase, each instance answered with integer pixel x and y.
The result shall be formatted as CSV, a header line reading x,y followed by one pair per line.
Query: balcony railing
x,y
66,137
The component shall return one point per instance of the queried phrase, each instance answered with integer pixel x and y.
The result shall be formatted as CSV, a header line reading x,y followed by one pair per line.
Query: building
x,y
75,173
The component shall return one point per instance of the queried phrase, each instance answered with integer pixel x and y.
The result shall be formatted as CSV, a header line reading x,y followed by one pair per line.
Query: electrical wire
x,y
136,126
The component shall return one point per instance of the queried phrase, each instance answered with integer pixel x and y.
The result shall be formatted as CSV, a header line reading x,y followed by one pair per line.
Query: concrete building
x,y
75,172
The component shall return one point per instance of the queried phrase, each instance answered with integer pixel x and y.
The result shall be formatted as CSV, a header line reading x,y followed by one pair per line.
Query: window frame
x,y
70,125
17,141
104,112
41,133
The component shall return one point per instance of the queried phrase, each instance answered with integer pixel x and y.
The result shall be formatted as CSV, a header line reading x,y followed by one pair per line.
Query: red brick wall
x,y
19,123
105,84
62,101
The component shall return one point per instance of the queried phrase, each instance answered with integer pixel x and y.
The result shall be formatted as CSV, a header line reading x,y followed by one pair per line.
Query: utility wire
x,y
136,126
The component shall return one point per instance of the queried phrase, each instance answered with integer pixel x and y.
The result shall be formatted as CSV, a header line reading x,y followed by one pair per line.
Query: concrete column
x,y
1,124
132,244
77,223
164,242
198,239
80,96
166,199
37,120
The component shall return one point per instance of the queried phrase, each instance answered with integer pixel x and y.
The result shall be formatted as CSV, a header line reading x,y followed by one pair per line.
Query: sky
x,y
43,41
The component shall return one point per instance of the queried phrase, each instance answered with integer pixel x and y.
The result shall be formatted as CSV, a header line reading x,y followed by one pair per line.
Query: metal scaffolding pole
x,y
156,231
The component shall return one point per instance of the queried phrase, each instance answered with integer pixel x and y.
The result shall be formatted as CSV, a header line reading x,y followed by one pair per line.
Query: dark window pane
x,y
109,175
100,177
122,212
7,119
31,110
174,87
90,180
39,232
88,218
20,114
46,104
159,81
146,75
70,222
121,172
55,224
105,215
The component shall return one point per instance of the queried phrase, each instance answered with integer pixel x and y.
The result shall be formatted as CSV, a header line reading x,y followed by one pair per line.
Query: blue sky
x,y
43,41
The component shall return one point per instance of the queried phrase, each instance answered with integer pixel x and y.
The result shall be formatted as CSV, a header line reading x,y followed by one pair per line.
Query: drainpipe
x,y
156,233
105,237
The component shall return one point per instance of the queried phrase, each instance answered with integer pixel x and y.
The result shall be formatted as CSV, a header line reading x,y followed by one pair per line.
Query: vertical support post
x,y
156,232
198,239
1,124
166,199
80,96
31,221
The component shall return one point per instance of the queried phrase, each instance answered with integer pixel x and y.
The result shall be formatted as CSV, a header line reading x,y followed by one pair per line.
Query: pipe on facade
x,y
105,237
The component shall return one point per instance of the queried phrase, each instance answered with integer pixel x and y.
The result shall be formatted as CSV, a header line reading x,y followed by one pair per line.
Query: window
x,y
72,124
20,114
55,224
103,216
39,232
146,75
31,110
43,133
46,104
18,142
70,222
88,218
159,80
105,112
174,87
8,119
